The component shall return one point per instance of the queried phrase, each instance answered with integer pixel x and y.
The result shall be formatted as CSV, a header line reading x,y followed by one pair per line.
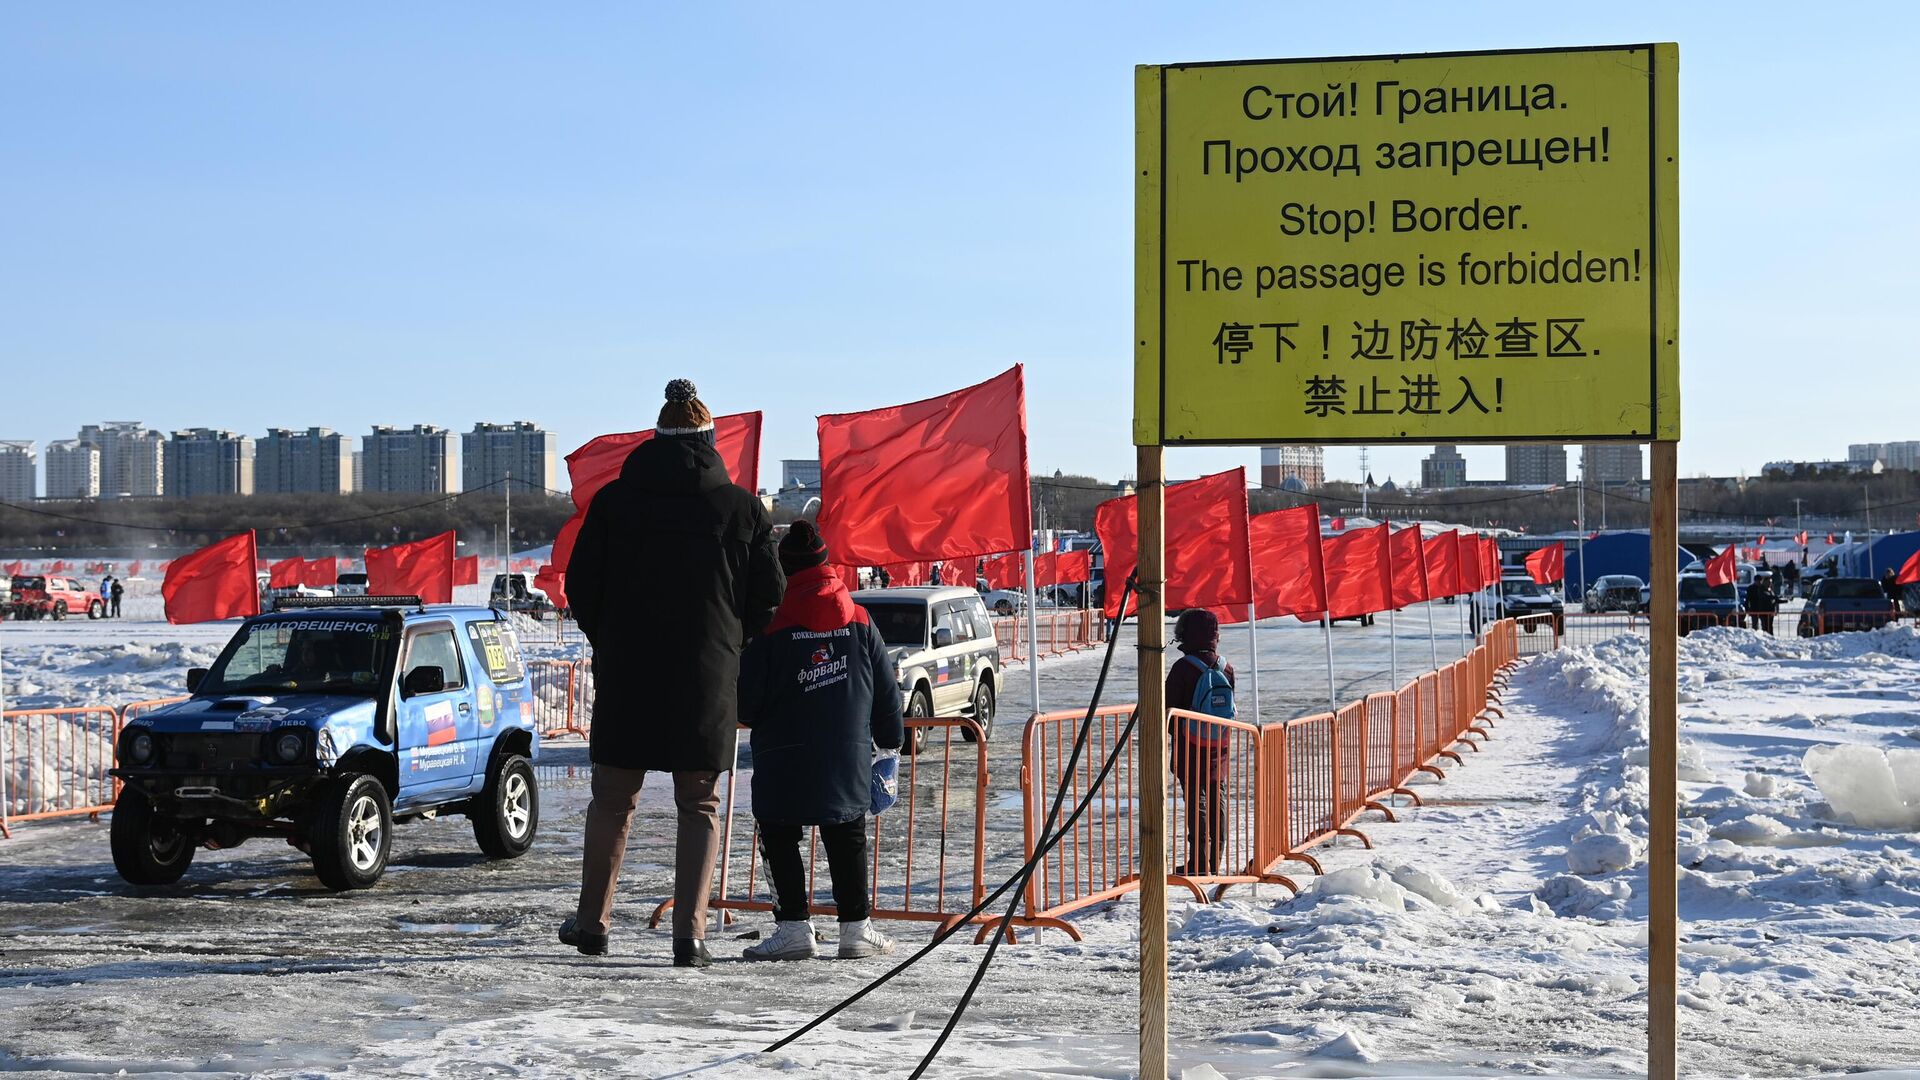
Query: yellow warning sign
x,y
1466,247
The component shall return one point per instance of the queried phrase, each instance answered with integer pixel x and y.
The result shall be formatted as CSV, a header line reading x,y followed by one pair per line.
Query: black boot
x,y
691,952
588,944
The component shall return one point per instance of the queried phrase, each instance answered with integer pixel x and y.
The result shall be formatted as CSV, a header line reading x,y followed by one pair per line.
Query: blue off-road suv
x,y
326,722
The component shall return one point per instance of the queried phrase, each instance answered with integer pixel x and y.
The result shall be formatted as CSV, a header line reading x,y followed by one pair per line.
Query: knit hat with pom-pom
x,y
684,413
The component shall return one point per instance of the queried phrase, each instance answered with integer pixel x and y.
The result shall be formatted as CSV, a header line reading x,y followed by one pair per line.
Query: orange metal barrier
x,y
928,853
54,762
1060,631
560,691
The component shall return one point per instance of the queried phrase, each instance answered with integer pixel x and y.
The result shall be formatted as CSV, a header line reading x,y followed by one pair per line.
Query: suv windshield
x,y
899,624
1528,587
1696,588
1851,589
307,655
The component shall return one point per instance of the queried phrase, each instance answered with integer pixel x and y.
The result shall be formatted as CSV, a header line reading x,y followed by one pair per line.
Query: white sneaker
x,y
789,941
858,939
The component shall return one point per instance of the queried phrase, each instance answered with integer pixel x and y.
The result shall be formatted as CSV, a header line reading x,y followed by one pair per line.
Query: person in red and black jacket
x,y
1197,756
819,692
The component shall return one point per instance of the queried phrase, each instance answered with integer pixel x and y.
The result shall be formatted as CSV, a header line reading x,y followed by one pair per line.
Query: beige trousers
x,y
697,845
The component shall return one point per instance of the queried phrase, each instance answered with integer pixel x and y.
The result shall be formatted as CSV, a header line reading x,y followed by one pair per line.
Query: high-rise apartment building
x,y
317,460
1444,468
16,470
1306,464
132,458
1536,464
799,473
1894,455
206,461
490,453
1611,463
417,460
73,470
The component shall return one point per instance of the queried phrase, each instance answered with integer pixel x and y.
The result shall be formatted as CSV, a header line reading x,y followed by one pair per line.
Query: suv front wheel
x,y
352,833
507,810
919,707
983,705
149,848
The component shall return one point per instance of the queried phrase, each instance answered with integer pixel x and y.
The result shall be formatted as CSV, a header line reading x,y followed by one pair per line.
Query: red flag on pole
x,y
466,570
1548,565
595,464
1831,540
1723,568
1910,571
553,582
1473,566
423,568
286,573
320,573
133,570
1442,553
1289,577
1359,572
963,571
1490,550
1046,570
1208,558
932,479
1801,539
1073,568
215,582
1407,554
902,574
1336,524
1005,572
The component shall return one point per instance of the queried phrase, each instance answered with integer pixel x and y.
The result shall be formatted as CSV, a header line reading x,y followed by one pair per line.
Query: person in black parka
x,y
819,691
673,571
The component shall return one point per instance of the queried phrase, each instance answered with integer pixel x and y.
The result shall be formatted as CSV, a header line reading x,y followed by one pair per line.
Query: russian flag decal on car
x,y
440,730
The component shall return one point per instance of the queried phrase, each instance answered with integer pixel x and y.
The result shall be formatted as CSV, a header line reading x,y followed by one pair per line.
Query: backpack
x,y
1212,696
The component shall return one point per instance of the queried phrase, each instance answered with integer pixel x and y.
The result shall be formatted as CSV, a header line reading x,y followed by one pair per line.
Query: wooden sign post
x,y
1663,710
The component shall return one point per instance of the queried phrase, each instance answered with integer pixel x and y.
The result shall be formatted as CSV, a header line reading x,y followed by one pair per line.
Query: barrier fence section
x,y
562,696
1060,632
927,855
54,762
1243,799
1583,629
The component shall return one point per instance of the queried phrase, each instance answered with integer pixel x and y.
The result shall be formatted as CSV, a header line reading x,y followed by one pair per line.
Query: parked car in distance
x,y
325,723
1521,596
1007,601
41,596
1703,605
943,648
1615,592
350,583
1835,604
516,592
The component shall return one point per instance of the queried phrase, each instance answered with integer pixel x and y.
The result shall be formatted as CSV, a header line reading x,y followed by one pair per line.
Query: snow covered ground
x,y
1462,944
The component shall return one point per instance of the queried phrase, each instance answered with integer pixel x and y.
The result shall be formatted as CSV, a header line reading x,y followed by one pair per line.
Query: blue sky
x,y
244,215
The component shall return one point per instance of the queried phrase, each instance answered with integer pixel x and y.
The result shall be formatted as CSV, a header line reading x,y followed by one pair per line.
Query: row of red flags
x,y
218,581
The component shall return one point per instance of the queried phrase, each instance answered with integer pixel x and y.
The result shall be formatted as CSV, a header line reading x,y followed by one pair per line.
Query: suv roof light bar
x,y
302,603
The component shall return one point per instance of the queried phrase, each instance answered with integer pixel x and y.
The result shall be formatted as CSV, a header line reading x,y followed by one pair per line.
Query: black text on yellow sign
x,y
1427,248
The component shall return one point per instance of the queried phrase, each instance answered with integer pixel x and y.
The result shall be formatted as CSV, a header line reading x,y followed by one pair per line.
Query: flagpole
x,y
1326,629
1393,647
1033,634
1433,648
1253,642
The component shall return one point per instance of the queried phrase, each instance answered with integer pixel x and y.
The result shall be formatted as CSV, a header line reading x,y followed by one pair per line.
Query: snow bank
x,y
1867,786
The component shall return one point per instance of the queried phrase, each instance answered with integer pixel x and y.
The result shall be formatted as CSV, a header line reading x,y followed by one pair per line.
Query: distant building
x,y
1611,463
17,470
417,460
1444,468
1872,467
288,462
492,452
799,473
206,461
1536,464
1308,464
73,470
1894,455
359,471
132,458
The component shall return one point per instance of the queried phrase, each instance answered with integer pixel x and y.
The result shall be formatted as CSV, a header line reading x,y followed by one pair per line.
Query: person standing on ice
x,y
819,692
673,571
119,590
1762,603
1197,751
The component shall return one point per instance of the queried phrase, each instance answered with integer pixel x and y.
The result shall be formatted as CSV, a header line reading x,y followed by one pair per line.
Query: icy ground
x,y
1462,944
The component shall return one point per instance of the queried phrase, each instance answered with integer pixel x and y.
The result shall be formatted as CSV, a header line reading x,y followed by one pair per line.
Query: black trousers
x,y
846,845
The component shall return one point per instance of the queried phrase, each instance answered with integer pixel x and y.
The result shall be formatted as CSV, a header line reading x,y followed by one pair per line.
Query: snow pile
x,y
57,762
52,676
1867,786
1397,887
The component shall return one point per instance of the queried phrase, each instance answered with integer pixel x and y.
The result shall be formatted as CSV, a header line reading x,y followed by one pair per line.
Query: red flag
x,y
1442,555
1408,556
1548,564
1046,570
594,465
133,570
1336,524
1722,569
554,583
1208,558
423,568
963,571
929,480
1073,568
286,573
1359,572
1910,572
1831,540
466,570
216,582
849,576
1490,550
1289,577
902,574
1801,538
320,573
1473,566
1006,572
59,567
